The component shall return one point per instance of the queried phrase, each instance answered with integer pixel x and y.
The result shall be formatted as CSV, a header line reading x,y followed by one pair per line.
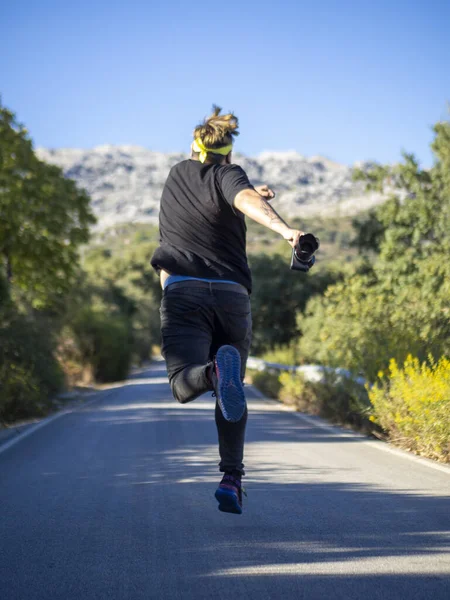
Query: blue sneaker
x,y
228,385
229,494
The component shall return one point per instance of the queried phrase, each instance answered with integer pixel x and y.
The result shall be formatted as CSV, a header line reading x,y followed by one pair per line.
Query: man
x,y
205,310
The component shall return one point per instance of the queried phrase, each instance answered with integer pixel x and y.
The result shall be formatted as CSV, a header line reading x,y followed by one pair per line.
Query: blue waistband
x,y
178,278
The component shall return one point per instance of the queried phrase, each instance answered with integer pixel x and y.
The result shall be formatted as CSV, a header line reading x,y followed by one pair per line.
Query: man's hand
x,y
292,236
265,192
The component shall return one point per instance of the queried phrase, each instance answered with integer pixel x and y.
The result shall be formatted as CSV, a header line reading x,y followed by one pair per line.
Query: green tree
x,y
278,294
123,276
369,232
401,304
29,373
44,218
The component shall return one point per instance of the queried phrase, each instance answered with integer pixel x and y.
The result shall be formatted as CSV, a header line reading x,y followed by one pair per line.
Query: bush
x,y
121,279
76,369
20,394
29,372
103,342
413,405
399,305
336,398
295,390
267,382
274,313
353,327
283,355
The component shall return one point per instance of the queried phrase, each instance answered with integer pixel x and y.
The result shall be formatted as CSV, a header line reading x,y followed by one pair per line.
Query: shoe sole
x,y
228,501
231,395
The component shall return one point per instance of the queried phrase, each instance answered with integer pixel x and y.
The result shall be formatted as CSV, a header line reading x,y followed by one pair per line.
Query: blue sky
x,y
348,80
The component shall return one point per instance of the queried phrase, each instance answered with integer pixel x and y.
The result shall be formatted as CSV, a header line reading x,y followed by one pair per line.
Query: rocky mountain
x,y
125,182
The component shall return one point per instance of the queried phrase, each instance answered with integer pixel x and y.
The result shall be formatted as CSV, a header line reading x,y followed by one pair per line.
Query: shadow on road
x,y
311,528
295,522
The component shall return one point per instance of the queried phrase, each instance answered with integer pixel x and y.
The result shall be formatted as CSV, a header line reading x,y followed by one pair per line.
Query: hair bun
x,y
217,130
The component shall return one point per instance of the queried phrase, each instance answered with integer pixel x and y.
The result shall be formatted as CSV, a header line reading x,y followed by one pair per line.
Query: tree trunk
x,y
9,272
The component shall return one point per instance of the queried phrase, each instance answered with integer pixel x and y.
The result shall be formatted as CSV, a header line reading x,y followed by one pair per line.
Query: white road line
x,y
48,420
42,423
379,445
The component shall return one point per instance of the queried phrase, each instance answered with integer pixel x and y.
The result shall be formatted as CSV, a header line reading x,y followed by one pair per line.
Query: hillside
x,y
125,182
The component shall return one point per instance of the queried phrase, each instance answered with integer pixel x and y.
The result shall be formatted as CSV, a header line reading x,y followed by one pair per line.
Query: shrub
x,y
29,373
76,369
283,355
104,344
413,405
336,398
20,394
295,390
267,382
274,313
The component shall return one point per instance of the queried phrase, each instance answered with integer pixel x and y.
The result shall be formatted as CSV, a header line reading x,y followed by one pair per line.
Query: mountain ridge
x,y
125,182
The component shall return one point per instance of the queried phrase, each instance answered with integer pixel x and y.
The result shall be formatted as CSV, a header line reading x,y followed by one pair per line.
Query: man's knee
x,y
177,389
189,383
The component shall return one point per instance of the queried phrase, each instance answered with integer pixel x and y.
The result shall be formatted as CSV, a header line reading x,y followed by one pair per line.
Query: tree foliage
x,y
123,277
44,217
278,294
50,313
401,304
29,373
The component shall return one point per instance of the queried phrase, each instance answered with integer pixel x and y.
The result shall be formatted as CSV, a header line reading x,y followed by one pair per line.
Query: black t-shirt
x,y
201,234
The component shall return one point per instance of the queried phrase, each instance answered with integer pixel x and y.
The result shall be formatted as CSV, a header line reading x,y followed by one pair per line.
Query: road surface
x,y
115,500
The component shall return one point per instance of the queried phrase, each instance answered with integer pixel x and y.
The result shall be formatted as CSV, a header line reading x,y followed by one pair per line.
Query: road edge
x,y
28,429
345,433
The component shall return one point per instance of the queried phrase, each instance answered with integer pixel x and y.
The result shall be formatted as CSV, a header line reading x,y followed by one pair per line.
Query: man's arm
x,y
253,205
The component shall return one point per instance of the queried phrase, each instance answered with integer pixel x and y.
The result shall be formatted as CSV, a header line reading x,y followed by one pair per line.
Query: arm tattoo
x,y
270,213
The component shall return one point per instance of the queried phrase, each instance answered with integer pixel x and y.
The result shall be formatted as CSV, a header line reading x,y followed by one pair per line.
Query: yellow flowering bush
x,y
412,403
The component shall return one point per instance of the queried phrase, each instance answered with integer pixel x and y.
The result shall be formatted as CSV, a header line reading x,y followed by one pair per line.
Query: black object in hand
x,y
303,254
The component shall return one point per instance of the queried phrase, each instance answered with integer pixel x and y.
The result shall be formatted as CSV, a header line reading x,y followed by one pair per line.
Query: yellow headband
x,y
198,146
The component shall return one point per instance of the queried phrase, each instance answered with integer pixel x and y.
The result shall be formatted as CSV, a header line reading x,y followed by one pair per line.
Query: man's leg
x,y
231,443
234,316
186,331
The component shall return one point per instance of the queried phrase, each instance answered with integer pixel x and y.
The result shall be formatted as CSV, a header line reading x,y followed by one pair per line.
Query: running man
x,y
205,311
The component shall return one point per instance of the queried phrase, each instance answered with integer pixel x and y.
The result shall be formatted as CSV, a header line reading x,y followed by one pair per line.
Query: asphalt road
x,y
116,500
